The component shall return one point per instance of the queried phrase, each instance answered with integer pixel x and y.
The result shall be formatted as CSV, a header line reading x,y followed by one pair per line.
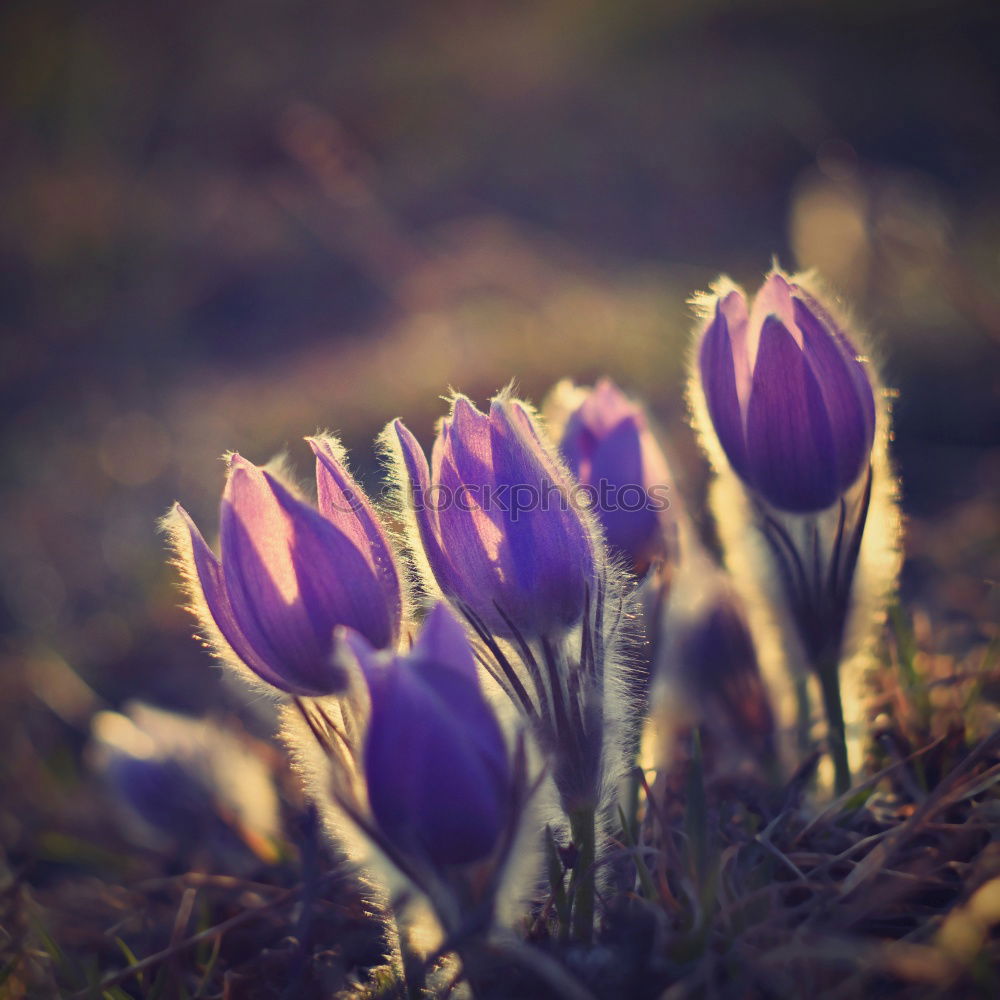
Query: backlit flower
x,y
610,449
496,520
791,401
435,760
289,574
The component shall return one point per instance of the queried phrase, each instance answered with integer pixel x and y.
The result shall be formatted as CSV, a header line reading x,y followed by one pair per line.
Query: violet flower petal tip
x,y
413,454
443,640
351,650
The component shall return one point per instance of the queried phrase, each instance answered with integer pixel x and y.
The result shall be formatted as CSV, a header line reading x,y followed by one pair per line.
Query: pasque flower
x,y
289,574
791,401
609,447
496,519
719,663
192,779
435,761
793,407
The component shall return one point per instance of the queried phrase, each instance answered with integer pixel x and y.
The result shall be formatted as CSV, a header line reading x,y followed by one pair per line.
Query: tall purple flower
x,y
610,449
791,401
289,574
497,521
435,761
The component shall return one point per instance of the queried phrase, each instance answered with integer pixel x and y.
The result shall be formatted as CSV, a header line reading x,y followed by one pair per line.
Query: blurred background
x,y
228,224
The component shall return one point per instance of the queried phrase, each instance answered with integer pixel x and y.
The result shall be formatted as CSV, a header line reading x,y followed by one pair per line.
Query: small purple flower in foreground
x,y
791,401
608,445
435,761
496,519
289,574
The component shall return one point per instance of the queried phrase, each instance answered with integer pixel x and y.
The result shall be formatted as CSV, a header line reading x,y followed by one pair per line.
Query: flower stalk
x,y
583,826
817,568
829,682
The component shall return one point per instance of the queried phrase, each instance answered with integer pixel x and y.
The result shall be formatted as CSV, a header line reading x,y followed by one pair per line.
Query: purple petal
x,y
577,446
469,438
847,410
606,407
431,790
164,794
548,560
847,391
790,446
718,379
210,576
774,298
443,660
344,503
620,463
422,500
373,663
443,641
470,520
733,307
472,535
336,581
292,577
618,457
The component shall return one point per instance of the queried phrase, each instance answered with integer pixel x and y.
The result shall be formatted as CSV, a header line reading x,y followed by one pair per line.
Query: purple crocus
x,y
435,761
497,521
791,401
610,449
290,574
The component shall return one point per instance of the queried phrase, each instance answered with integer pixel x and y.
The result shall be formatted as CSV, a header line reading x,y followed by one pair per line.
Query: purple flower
x,y
791,401
194,780
719,663
435,761
609,447
497,522
289,574
163,794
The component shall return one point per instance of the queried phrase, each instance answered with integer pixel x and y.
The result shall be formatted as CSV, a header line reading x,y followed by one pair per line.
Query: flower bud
x,y
610,449
720,667
791,401
191,779
496,520
289,574
435,761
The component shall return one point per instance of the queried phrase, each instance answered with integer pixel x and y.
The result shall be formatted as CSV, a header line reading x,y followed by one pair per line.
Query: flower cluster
x,y
456,691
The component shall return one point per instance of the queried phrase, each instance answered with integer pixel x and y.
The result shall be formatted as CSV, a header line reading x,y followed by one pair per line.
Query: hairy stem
x,y
583,825
829,681
411,965
803,713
